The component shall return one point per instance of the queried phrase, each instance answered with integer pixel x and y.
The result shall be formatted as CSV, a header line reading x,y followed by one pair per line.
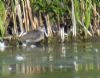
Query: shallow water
x,y
70,60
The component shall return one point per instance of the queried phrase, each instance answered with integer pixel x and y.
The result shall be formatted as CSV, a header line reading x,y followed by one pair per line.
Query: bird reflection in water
x,y
3,46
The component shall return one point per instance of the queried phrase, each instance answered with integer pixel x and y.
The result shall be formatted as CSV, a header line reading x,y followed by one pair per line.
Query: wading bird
x,y
33,36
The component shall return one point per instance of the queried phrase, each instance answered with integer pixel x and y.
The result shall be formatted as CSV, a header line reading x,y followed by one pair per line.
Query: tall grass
x,y
2,19
50,12
83,15
73,19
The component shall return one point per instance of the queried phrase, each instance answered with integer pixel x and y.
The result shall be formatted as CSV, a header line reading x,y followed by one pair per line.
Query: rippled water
x,y
70,60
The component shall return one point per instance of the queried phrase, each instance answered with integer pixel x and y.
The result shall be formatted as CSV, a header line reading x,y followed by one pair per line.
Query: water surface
x,y
70,60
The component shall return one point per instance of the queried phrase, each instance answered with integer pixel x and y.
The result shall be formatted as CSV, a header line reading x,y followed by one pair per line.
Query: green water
x,y
70,60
